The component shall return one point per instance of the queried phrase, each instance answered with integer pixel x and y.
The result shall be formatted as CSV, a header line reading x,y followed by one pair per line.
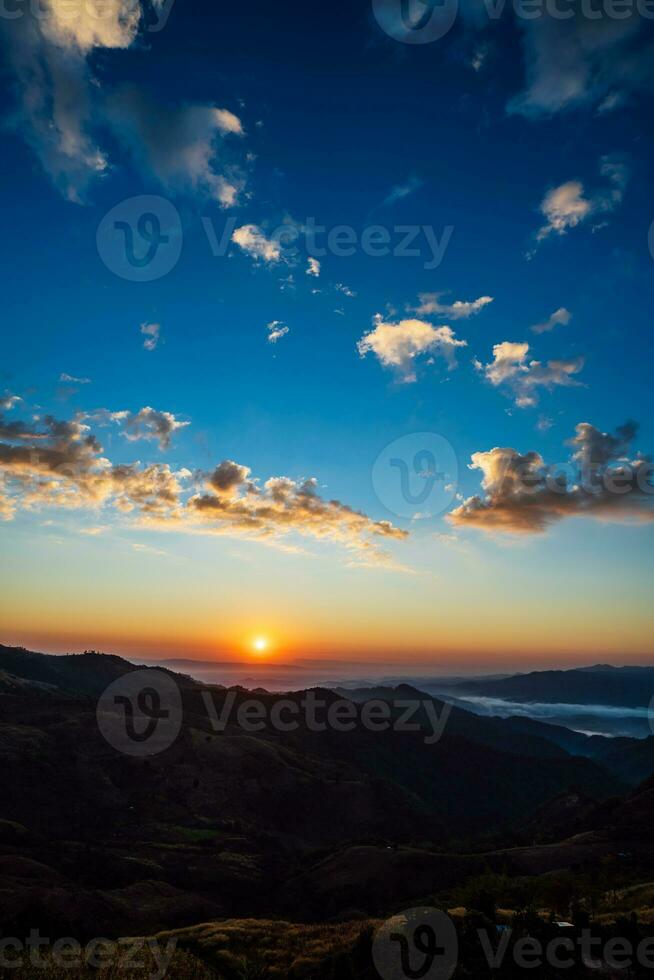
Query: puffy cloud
x,y
565,207
183,146
398,345
313,268
560,317
580,61
152,334
70,379
151,425
510,368
228,477
430,305
400,191
524,496
276,330
61,464
252,240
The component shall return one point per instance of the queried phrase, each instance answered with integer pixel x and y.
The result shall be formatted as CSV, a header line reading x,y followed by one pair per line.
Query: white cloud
x,y
276,330
398,345
252,240
70,379
340,287
152,334
512,370
560,317
313,268
430,305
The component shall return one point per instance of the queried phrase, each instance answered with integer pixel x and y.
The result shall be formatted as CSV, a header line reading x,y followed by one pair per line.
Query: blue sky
x,y
327,118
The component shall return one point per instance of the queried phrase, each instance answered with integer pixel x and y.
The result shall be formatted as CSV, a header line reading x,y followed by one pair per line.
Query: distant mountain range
x,y
296,823
624,687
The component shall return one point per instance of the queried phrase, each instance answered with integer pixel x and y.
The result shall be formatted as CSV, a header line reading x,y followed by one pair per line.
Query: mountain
x,y
624,687
254,822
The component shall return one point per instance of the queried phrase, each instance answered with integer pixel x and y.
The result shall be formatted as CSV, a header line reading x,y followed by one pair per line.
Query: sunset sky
x,y
207,450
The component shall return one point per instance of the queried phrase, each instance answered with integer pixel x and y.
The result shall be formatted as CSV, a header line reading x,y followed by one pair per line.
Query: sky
x,y
327,331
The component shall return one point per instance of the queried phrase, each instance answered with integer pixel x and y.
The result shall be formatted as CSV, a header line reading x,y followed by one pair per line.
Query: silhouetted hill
x,y
236,822
84,673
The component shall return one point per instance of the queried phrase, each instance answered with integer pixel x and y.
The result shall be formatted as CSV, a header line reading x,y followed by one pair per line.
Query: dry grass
x,y
253,948
234,949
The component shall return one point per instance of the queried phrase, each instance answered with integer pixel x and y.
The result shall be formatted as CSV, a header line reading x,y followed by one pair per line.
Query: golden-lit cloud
x,y
252,240
233,501
522,495
566,206
399,345
57,463
513,370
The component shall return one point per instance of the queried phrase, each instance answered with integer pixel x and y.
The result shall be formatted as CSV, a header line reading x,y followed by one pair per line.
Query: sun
x,y
260,645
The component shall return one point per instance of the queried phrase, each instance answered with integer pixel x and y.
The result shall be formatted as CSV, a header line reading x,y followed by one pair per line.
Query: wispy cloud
x,y
400,191
560,317
512,370
430,305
